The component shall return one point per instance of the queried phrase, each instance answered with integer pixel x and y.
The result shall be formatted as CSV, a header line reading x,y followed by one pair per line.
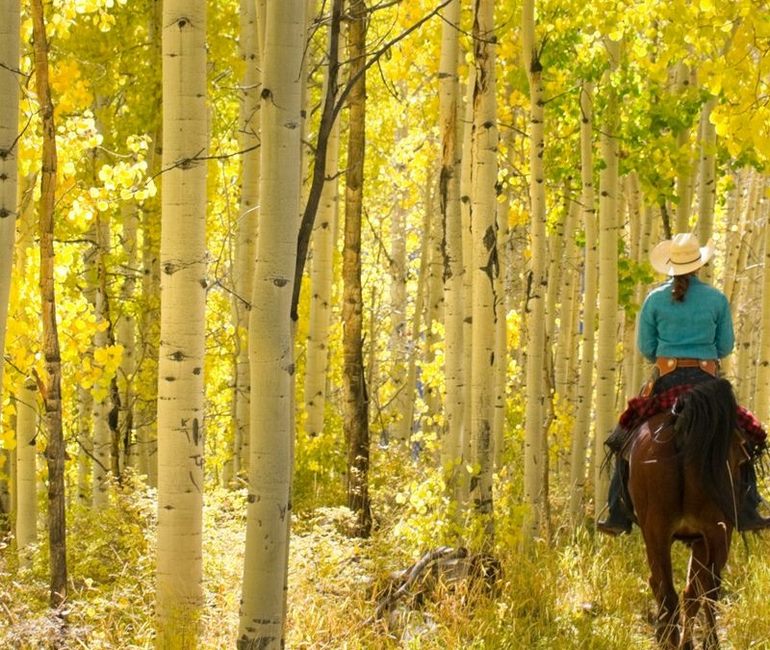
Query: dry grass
x,y
581,593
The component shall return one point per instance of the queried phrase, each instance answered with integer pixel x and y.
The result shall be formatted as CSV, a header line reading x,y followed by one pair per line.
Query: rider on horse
x,y
685,327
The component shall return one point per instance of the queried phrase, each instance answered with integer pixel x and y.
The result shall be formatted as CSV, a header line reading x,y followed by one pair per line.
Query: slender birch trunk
x,y
762,390
321,281
50,384
684,177
485,266
640,253
125,334
466,209
501,344
408,394
270,331
534,442
400,360
182,325
102,448
10,79
434,313
149,323
26,472
606,354
356,411
582,425
251,38
450,126
566,356
707,185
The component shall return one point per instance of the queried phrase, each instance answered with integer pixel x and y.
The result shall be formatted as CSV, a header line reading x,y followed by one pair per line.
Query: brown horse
x,y
683,482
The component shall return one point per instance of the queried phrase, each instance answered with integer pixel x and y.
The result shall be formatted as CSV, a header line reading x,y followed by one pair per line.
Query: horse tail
x,y
705,426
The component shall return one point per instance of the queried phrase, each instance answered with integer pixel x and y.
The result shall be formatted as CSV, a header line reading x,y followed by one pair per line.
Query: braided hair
x,y
681,284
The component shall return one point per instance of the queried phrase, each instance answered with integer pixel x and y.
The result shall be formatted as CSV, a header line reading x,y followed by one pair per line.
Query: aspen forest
x,y
315,315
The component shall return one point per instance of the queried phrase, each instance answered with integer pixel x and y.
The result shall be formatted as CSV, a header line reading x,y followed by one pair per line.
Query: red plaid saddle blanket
x,y
641,408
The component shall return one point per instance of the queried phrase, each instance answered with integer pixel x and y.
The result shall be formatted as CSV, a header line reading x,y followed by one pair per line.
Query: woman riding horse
x,y
685,326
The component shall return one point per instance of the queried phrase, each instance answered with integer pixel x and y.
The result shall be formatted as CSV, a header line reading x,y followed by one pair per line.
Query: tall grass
x,y
580,591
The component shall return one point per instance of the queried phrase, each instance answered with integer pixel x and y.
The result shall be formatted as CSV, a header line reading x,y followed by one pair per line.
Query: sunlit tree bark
x,y
102,447
582,425
9,132
534,459
566,355
148,325
321,280
607,334
182,325
251,40
485,265
50,385
356,410
449,204
762,390
26,471
707,186
125,335
270,331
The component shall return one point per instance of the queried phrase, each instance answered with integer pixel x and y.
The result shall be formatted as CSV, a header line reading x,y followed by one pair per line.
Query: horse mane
x,y
704,427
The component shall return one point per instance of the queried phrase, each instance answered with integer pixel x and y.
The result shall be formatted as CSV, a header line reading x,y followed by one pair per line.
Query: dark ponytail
x,y
681,284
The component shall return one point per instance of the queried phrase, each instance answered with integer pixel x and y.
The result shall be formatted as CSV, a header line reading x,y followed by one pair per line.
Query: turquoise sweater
x,y
700,327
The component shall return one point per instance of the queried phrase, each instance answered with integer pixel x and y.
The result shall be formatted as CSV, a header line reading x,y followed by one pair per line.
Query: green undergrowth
x,y
579,591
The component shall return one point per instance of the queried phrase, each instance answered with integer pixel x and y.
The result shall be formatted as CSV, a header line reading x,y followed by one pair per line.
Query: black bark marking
x,y
196,432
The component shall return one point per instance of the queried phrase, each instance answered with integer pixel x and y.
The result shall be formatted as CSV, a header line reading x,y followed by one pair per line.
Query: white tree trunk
x,y
26,471
485,265
449,203
10,80
762,390
466,208
182,324
321,282
534,438
607,334
707,186
566,355
102,440
125,334
251,39
270,340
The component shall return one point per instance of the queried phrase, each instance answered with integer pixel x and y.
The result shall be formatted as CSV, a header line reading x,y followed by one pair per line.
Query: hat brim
x,y
661,261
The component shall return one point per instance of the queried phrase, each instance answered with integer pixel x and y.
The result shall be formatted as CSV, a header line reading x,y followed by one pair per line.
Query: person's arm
x,y
725,337
647,332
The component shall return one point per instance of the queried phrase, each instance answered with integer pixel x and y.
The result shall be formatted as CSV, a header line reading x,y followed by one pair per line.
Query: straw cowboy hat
x,y
681,255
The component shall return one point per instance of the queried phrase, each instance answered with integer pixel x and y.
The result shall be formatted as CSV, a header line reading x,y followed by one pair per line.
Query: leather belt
x,y
669,364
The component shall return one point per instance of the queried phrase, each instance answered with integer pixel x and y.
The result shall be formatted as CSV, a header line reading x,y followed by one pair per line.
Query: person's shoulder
x,y
707,289
661,288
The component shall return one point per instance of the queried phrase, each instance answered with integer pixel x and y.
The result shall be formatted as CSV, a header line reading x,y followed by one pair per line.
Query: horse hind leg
x,y
662,585
690,606
703,586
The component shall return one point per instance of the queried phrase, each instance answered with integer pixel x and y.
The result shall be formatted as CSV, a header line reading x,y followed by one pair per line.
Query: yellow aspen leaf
x,y
8,439
105,173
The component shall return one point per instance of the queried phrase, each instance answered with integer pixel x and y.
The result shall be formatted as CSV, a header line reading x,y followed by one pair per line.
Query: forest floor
x,y
577,592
